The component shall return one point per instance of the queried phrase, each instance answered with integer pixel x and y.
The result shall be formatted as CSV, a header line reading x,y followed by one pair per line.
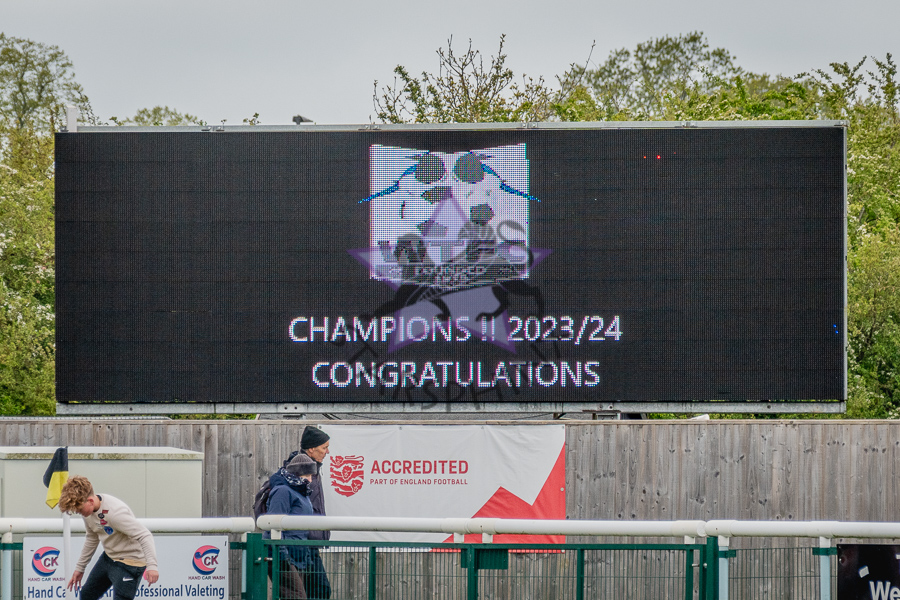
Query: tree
x,y
874,325
36,84
873,141
868,101
463,91
636,84
741,98
27,295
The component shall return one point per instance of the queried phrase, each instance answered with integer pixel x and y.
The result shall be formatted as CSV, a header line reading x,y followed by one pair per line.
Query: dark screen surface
x,y
415,265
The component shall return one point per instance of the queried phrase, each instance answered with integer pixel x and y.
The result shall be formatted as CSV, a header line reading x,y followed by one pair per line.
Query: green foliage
x,y
874,324
873,225
637,85
159,116
678,79
36,84
579,104
733,100
27,297
873,151
463,91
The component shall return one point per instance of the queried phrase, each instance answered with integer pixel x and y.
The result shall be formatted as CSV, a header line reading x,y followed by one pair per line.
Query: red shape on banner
x,y
549,504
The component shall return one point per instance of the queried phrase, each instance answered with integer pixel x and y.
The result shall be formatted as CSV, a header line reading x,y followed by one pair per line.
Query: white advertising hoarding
x,y
189,567
445,471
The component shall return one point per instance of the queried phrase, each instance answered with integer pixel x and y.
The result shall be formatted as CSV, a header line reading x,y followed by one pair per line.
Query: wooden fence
x,y
643,470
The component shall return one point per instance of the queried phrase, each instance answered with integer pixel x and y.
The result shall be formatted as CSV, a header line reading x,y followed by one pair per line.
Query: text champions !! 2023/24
x,y
564,328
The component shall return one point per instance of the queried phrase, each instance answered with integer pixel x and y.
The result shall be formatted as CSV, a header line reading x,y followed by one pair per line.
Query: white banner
x,y
442,471
189,567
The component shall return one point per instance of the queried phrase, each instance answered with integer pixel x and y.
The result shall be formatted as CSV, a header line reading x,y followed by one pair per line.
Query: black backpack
x,y
261,500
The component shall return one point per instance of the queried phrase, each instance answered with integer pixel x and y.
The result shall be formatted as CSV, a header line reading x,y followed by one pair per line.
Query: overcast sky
x,y
226,59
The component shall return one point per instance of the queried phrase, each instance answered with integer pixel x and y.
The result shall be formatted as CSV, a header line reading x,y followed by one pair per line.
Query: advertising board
x,y
267,270
189,567
438,471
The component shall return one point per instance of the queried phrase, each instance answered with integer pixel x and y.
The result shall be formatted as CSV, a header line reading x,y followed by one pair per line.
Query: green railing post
x,y
709,570
6,570
256,567
275,551
471,574
722,556
689,572
824,552
579,574
242,546
373,564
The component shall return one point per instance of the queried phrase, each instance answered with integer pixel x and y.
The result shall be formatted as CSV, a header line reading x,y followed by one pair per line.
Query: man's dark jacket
x,y
318,503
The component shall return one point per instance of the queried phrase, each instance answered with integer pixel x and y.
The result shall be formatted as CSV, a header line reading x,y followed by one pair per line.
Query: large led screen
x,y
449,265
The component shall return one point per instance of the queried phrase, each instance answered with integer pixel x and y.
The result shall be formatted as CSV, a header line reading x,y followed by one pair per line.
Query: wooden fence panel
x,y
653,470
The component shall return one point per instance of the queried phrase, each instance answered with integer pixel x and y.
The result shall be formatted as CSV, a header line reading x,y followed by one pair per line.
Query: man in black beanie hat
x,y
314,443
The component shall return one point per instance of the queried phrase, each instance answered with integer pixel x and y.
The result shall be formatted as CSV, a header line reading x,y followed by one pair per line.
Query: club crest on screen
x,y
449,220
450,232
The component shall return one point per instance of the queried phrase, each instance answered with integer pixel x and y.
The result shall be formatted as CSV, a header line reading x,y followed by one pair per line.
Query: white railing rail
x,y
486,527
155,525
577,527
810,529
489,526
724,530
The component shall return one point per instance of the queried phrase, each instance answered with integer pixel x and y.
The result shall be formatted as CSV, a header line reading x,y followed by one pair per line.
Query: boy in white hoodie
x,y
128,548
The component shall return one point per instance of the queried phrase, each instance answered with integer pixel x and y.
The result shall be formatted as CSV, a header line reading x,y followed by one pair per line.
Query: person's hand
x,y
151,576
75,581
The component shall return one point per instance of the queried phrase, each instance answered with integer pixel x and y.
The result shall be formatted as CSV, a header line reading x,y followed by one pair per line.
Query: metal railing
x,y
712,570
712,560
380,570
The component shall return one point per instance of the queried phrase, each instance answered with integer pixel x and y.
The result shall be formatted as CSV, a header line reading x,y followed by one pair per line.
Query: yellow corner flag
x,y
56,475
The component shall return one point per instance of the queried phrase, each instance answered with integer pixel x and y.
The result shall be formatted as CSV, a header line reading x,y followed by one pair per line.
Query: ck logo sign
x,y
206,559
347,474
45,561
